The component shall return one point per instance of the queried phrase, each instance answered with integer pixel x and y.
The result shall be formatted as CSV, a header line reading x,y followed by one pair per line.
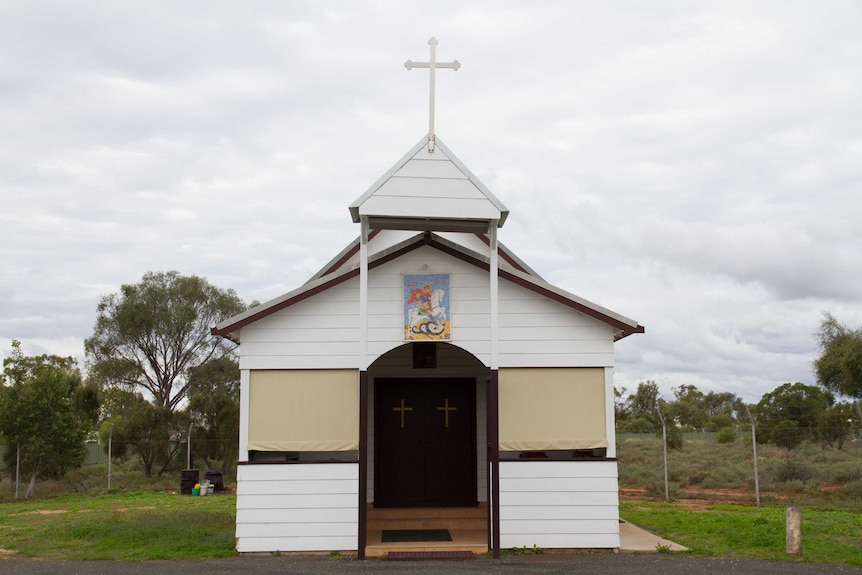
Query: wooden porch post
x,y
363,464
363,387
494,462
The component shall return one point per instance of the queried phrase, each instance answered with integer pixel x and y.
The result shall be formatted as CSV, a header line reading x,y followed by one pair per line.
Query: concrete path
x,y
633,539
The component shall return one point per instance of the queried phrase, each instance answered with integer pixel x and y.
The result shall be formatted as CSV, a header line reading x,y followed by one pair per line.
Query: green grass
x,y
129,526
828,535
145,519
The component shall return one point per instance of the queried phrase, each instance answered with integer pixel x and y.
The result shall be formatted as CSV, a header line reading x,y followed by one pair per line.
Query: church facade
x,y
426,369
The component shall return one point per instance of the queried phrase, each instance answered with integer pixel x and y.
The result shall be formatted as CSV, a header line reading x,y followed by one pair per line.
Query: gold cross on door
x,y
402,409
446,409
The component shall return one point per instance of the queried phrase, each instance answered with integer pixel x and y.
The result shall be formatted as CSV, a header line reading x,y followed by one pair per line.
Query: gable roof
x,y
622,325
352,250
426,191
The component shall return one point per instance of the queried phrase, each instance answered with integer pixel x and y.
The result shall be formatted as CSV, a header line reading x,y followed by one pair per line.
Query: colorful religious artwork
x,y
426,307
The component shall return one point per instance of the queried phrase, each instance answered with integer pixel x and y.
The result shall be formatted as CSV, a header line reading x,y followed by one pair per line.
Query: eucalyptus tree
x,y
150,336
839,367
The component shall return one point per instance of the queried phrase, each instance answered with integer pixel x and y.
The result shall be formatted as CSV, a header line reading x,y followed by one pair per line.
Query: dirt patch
x,y
698,498
44,512
124,509
6,553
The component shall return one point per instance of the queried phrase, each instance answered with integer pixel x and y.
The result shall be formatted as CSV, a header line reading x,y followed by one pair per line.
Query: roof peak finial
x,y
432,64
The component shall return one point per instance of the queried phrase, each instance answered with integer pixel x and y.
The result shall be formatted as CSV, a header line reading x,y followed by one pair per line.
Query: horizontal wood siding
x,y
559,504
469,302
318,333
323,331
535,331
297,507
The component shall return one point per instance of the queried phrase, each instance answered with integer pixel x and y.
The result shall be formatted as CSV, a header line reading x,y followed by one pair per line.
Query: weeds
x,y
534,550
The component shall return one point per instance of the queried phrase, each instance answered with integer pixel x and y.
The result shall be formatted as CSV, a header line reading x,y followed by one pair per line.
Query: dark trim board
x,y
329,462
363,465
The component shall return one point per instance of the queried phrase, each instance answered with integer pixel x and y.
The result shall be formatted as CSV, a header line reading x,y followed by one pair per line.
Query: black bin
x,y
215,478
188,479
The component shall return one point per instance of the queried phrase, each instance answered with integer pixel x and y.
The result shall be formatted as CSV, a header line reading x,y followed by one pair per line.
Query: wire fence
x,y
822,462
814,461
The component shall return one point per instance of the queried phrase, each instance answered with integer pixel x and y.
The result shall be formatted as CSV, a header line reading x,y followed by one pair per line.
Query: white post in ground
x,y
664,446
754,451
793,537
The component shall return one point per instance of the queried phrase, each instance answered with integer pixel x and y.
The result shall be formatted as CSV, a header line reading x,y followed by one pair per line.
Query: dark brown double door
x,y
425,442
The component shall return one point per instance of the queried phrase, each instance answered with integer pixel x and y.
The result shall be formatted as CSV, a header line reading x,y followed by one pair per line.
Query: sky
x,y
696,166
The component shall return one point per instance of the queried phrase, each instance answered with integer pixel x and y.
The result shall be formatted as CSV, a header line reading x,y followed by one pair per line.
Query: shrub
x,y
726,435
791,470
787,434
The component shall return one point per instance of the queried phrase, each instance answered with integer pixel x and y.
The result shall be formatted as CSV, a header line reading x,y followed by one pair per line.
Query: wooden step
x,y
468,527
463,540
469,518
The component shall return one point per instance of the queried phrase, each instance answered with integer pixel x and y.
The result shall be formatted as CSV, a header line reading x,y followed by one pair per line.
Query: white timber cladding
x,y
552,408
320,332
429,185
533,330
303,410
559,504
323,330
309,507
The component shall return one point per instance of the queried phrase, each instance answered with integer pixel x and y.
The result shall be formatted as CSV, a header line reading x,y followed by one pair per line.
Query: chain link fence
x,y
785,462
125,469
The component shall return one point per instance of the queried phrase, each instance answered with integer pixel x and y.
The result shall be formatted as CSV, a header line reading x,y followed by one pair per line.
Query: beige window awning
x,y
552,408
303,410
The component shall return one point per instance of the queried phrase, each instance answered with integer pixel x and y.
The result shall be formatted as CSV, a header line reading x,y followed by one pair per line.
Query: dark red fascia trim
x,y
286,303
625,328
350,253
315,290
503,254
427,239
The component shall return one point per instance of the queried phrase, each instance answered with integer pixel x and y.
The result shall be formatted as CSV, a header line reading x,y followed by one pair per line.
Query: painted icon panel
x,y
426,307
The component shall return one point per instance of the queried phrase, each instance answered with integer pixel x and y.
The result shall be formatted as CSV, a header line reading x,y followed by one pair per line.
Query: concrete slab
x,y
633,539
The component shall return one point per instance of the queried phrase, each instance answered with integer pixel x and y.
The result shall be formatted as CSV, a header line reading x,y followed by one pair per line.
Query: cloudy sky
x,y
696,166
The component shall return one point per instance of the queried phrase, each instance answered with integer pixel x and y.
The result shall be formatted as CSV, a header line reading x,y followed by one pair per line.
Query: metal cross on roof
x,y
432,65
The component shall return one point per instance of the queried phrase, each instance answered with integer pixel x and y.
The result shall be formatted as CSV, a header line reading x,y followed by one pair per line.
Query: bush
x,y
726,435
787,434
790,471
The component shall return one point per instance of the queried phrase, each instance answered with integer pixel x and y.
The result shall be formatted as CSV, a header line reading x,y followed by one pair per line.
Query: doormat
x,y
414,535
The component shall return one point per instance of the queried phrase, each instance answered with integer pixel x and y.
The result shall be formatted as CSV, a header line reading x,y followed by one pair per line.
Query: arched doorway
x,y
426,427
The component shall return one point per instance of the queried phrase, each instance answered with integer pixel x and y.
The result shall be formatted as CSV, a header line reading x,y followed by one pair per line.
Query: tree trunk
x,y
31,489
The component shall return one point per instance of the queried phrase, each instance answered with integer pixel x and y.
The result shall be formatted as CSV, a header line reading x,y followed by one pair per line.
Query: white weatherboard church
x,y
426,390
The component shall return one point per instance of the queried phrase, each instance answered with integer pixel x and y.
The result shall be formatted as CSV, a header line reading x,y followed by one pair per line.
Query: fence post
x,y
754,451
110,437
189,448
17,469
664,445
